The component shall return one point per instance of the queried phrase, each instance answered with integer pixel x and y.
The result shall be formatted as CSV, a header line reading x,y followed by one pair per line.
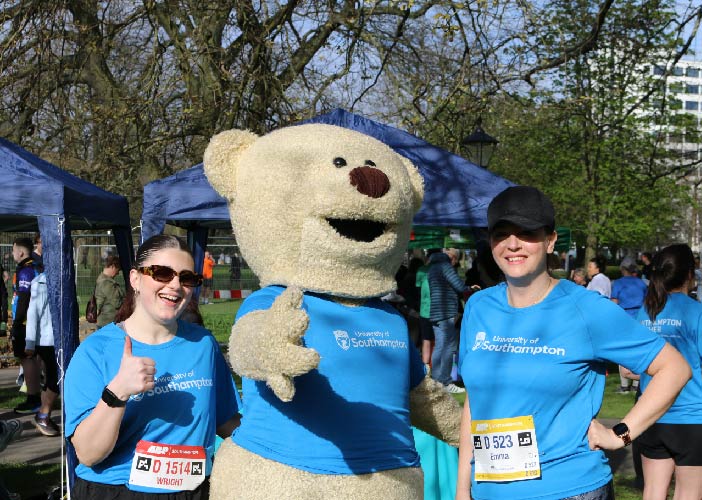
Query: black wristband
x,y
111,399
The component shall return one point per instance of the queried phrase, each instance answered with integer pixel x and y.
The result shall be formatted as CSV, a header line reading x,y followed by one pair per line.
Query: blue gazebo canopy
x,y
40,196
457,192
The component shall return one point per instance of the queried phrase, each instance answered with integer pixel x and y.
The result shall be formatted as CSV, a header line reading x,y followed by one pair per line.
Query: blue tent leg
x,y
63,304
123,240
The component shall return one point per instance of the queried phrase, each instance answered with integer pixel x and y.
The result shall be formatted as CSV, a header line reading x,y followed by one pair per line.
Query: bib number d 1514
x,y
505,449
167,466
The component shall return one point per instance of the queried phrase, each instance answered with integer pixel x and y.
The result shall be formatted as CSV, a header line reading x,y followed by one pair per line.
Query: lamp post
x,y
480,144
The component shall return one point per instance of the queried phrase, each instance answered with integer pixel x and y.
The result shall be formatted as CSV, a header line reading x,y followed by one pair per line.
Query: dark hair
x,y
191,314
24,243
113,260
37,238
414,264
146,250
600,262
671,268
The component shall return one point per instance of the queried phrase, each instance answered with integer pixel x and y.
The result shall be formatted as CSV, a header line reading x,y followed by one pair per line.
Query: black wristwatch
x,y
111,399
622,431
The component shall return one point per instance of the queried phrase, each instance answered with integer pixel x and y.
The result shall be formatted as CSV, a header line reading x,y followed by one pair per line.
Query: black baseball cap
x,y
524,206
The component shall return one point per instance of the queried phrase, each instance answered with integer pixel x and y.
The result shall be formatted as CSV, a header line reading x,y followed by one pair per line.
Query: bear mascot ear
x,y
221,159
417,182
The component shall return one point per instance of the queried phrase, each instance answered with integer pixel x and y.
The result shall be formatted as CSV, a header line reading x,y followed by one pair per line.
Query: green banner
x,y
440,237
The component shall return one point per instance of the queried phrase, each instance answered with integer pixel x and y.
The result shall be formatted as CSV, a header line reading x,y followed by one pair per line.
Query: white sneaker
x,y
454,389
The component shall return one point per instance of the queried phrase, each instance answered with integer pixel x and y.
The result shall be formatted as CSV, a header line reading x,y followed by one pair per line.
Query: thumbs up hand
x,y
135,375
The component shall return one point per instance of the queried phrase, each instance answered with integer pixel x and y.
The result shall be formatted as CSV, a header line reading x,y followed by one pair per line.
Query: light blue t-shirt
x,y
194,394
548,361
680,324
630,292
351,414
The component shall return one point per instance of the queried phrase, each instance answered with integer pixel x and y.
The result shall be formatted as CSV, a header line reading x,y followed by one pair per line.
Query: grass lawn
x,y
219,318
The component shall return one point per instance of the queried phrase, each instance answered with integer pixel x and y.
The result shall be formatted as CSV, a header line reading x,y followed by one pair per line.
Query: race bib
x,y
505,449
167,466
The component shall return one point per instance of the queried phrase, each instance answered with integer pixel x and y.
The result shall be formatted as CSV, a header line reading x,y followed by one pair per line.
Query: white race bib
x,y
167,466
505,449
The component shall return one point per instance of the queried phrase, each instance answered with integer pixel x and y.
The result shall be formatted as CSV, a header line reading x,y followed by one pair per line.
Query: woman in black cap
x,y
532,356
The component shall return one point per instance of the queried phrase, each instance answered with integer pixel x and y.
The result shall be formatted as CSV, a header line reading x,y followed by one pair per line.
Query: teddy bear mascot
x,y
332,383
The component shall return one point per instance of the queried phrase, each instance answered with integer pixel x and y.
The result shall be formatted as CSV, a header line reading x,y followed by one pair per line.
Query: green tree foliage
x,y
590,130
542,144
124,92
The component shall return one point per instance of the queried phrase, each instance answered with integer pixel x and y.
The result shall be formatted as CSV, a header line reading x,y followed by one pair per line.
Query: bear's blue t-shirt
x,y
548,361
351,414
680,324
193,395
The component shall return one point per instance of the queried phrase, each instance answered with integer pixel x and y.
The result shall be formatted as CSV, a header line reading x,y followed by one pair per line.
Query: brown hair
x,y
146,250
112,261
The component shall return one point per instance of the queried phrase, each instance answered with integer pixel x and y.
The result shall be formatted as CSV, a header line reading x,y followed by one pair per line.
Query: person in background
x,y
235,271
426,330
673,445
646,266
37,252
484,272
4,314
40,340
446,290
108,293
147,385
599,282
532,356
579,276
628,292
22,282
207,273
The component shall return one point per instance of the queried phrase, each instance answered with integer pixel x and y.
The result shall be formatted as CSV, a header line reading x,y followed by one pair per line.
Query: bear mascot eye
x,y
339,162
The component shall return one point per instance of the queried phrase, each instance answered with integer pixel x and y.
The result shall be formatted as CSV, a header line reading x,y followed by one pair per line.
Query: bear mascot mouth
x,y
358,230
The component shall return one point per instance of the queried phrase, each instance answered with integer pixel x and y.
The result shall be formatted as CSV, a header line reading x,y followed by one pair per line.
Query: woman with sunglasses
x,y
146,395
533,355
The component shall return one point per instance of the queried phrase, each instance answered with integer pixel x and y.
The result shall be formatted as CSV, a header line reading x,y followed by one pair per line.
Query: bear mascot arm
x,y
265,345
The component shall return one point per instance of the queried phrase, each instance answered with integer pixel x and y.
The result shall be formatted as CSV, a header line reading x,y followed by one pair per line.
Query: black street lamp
x,y
480,144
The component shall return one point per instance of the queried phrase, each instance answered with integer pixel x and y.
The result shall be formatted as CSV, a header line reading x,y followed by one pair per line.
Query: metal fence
x,y
91,249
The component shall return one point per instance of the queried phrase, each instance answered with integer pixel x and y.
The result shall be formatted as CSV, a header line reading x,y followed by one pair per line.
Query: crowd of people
x,y
529,351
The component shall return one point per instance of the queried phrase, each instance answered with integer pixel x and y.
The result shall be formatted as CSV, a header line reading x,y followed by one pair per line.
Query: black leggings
x,y
87,490
48,356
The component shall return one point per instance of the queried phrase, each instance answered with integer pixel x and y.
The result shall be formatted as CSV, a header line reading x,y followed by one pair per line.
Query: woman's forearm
x,y
669,373
95,437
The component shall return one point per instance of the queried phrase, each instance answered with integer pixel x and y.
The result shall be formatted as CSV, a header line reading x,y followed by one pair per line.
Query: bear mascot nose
x,y
370,181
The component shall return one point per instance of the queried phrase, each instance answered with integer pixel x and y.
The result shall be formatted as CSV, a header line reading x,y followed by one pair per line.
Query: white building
x,y
684,99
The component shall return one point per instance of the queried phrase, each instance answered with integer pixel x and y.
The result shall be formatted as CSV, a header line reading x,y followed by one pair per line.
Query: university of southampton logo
x,y
479,340
342,338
